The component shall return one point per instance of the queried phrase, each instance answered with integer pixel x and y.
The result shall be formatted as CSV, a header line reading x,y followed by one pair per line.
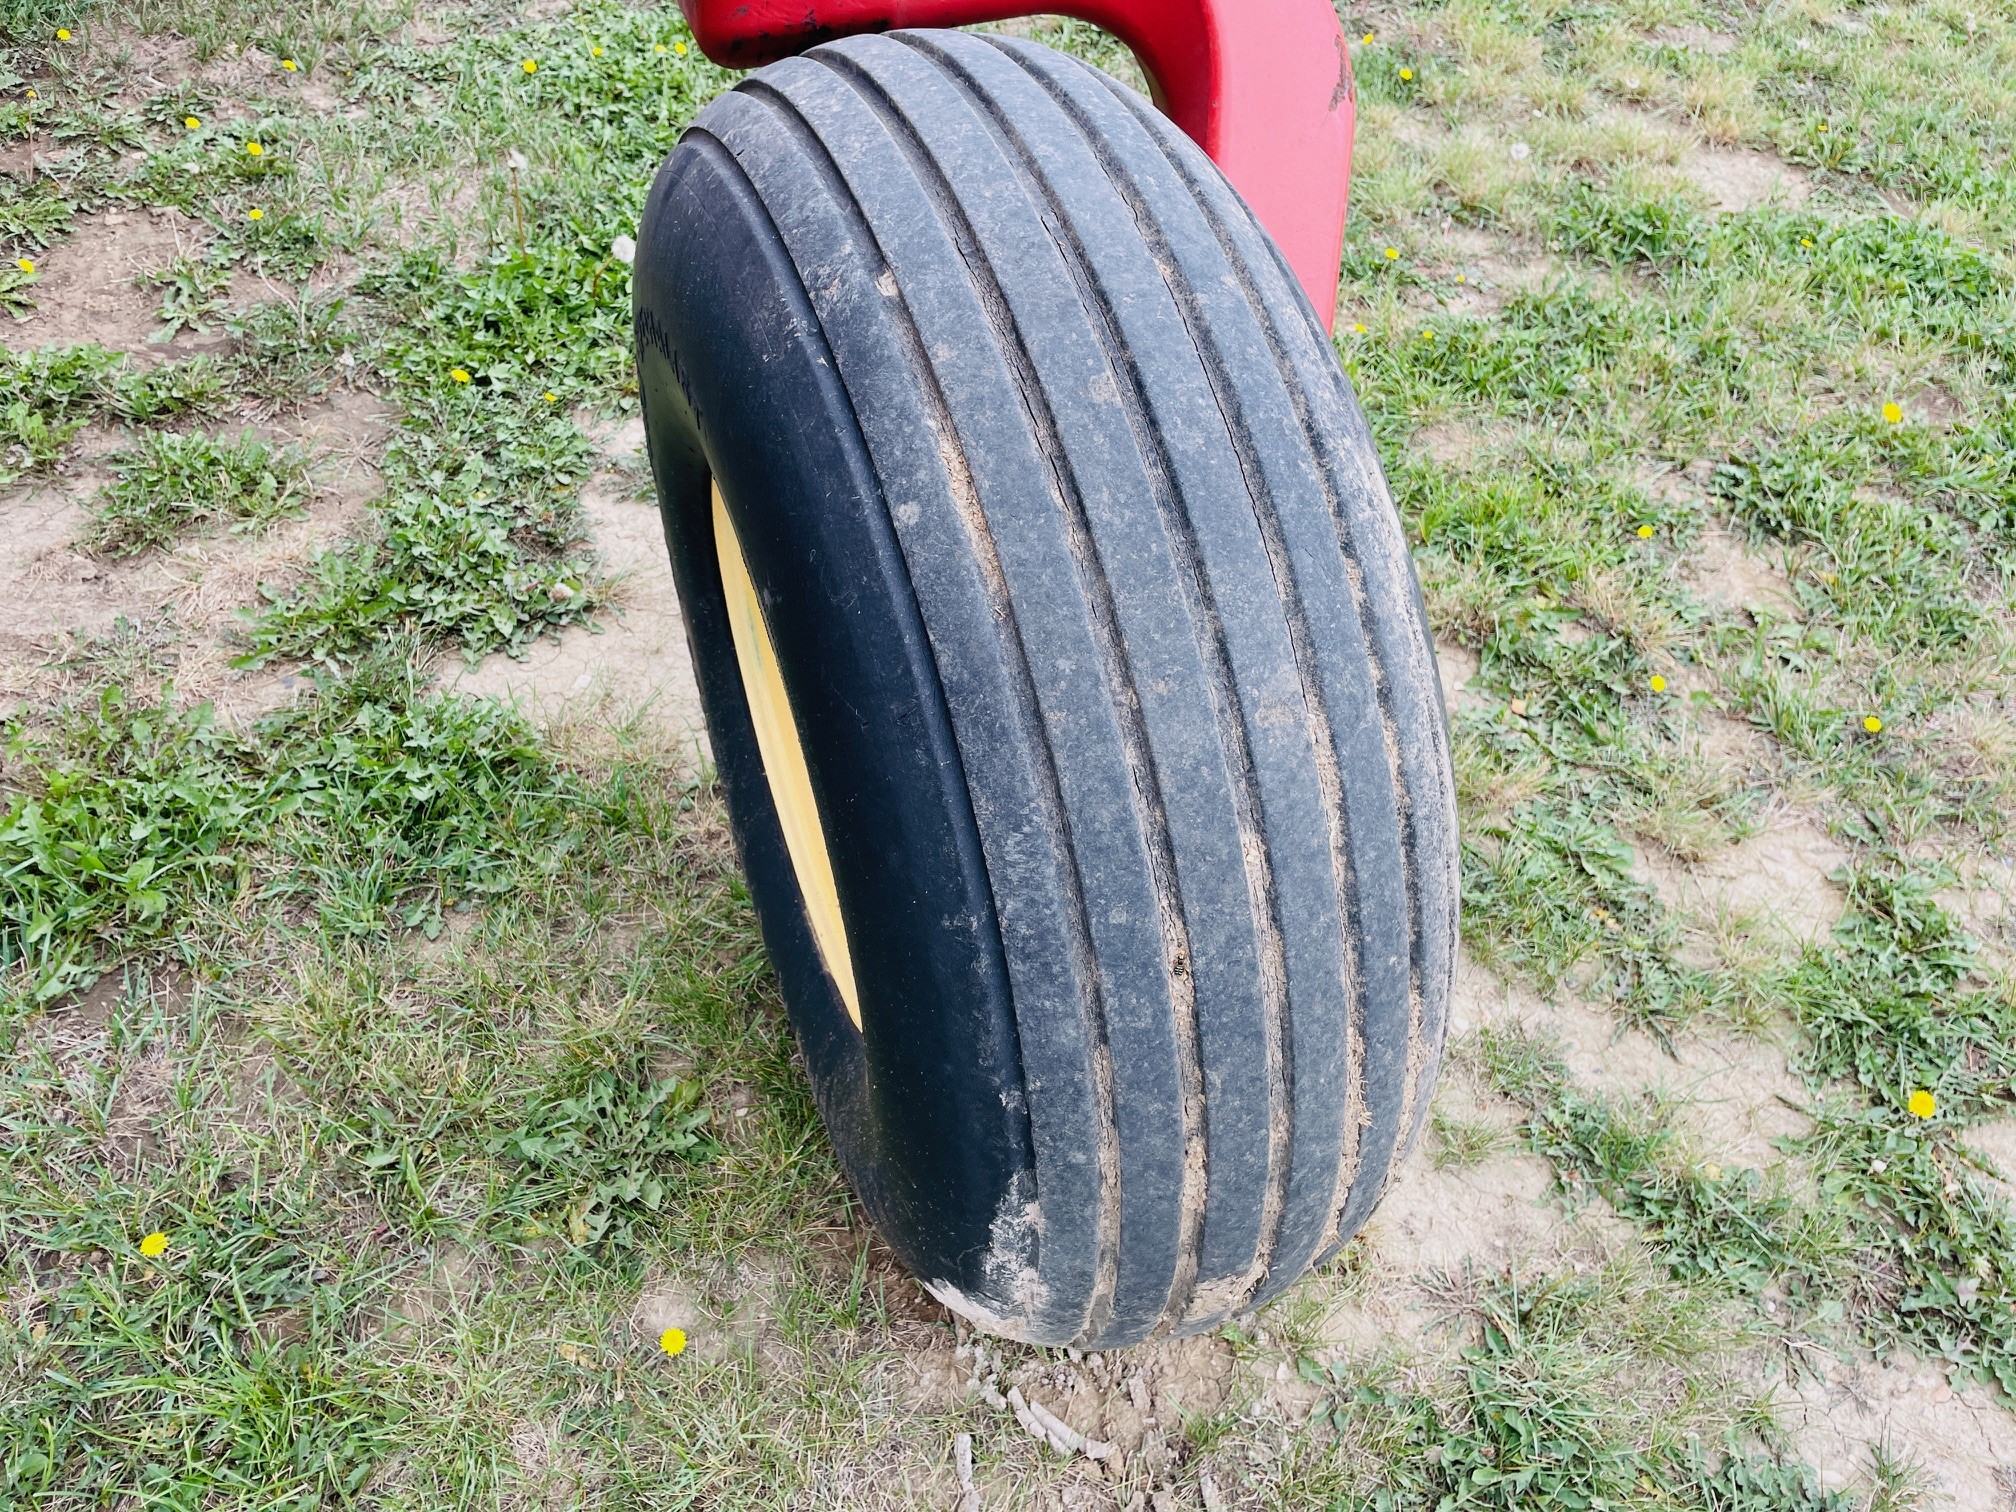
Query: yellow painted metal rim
x,y
784,760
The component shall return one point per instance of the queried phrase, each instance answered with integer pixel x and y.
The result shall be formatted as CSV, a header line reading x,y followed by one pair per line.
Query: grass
x,y
1733,1228
169,481
1575,1390
442,1048
47,396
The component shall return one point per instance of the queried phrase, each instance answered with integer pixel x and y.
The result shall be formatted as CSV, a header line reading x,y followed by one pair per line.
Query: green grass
x,y
1735,1228
480,541
440,1046
374,801
169,481
47,396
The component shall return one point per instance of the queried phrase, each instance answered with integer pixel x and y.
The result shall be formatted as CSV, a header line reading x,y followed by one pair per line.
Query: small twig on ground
x,y
1040,1423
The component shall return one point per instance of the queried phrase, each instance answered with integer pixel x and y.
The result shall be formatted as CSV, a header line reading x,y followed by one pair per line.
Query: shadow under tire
x,y
1096,630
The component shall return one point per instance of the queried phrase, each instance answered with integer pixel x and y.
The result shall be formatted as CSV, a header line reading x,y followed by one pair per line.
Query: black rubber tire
x,y
1114,683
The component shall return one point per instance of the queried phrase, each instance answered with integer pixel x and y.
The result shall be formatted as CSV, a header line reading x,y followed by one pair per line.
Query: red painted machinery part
x,y
1263,86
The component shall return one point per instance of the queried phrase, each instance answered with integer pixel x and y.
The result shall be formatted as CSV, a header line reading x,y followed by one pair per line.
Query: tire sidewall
x,y
924,1103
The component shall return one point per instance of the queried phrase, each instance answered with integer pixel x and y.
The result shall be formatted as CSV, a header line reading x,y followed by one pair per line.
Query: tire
x,y
1092,620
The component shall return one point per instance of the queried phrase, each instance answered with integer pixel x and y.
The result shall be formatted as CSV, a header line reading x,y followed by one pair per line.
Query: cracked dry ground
x,y
1688,334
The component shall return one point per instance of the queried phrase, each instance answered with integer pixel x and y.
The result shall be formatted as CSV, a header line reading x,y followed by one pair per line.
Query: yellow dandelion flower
x,y
1658,683
551,397
254,149
25,264
33,96
1357,329
255,213
1406,73
290,65
594,52
190,123
1922,1104
1806,242
1873,724
1644,532
659,48
155,1245
1894,412
673,1341
460,375
1367,39
1392,254
1427,335
530,65
679,48
62,34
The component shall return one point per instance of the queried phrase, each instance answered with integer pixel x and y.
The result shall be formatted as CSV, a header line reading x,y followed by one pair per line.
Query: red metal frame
x,y
1263,86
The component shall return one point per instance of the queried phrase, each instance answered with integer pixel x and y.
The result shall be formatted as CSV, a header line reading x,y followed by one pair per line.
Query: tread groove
x,y
1207,626
1118,673
967,494
1288,588
1211,635
1404,788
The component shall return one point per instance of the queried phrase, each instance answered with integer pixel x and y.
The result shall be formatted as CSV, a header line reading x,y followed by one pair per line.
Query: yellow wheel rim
x,y
784,760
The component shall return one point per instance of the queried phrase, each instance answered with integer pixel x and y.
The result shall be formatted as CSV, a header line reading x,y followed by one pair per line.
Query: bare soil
x,y
634,662
90,288
1734,179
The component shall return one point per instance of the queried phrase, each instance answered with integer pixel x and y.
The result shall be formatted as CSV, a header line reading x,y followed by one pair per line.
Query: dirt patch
x,y
346,432
1483,271
1137,1401
1457,664
1963,1441
453,1278
88,289
1724,572
1735,179
638,665
1449,442
1434,1220
51,594
1697,39
1776,884
1492,1211
17,159
1933,406
435,212
55,596
1984,904
1739,1095
1738,746
1995,1141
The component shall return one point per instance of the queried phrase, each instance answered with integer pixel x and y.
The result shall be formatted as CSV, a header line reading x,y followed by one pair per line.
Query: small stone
x,y
962,1458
